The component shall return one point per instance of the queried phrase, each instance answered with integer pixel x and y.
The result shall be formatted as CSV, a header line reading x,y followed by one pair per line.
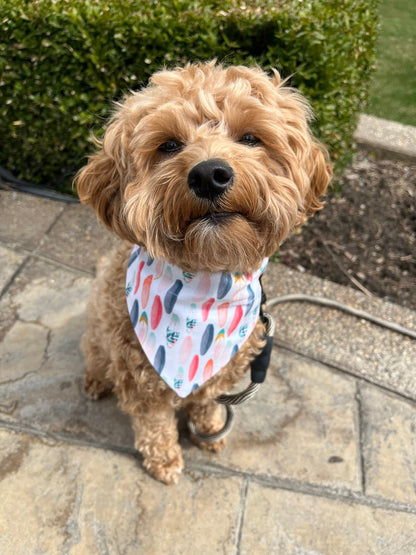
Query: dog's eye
x,y
171,146
249,140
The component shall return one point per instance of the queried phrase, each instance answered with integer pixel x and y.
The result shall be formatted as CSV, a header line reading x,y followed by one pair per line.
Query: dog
x,y
203,174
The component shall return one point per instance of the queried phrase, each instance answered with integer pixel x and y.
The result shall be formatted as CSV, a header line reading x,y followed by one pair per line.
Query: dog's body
x,y
210,169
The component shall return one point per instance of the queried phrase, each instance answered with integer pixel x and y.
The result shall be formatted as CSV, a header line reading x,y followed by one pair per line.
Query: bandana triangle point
x,y
189,325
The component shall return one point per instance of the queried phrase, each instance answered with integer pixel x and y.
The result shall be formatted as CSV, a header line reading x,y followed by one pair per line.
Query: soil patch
x,y
365,237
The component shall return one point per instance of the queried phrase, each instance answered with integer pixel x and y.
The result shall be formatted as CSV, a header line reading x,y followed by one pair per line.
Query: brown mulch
x,y
365,237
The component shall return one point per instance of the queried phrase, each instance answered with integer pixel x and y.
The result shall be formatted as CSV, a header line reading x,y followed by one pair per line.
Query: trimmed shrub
x,y
62,62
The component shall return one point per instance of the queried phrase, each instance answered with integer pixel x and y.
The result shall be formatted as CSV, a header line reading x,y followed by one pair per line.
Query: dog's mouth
x,y
216,221
219,217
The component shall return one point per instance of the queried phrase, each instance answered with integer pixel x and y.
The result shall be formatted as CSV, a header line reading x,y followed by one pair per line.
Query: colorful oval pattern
x,y
206,308
185,350
160,359
134,255
250,300
206,339
208,370
224,285
172,331
203,287
223,314
142,328
138,277
146,290
172,296
193,367
238,314
219,344
134,313
157,312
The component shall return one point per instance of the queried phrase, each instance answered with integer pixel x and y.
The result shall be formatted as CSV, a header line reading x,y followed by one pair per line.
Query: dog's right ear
x,y
100,182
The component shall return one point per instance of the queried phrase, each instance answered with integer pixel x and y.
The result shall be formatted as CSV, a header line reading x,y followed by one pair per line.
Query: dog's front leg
x,y
156,437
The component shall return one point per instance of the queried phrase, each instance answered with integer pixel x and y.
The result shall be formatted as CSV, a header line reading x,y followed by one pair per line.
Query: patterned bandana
x,y
189,325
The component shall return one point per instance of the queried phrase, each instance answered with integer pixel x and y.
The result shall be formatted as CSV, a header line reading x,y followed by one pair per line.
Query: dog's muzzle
x,y
211,178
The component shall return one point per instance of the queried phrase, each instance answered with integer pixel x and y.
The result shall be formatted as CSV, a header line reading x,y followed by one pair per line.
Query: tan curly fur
x,y
141,192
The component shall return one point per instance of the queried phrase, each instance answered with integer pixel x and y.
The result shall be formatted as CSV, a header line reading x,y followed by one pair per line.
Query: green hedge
x,y
62,62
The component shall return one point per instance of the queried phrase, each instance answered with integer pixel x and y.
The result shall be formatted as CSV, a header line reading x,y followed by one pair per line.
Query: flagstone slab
x,y
17,362
26,218
49,295
381,356
290,523
78,239
301,425
10,261
389,445
59,498
44,293
42,367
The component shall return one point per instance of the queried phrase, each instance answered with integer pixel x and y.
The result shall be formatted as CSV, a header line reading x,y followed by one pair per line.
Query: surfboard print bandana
x,y
189,325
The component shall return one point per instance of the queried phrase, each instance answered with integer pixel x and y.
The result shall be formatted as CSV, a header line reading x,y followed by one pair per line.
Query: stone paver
x,y
78,239
17,363
389,440
364,349
302,425
25,219
322,460
49,294
283,522
44,294
41,378
10,261
59,498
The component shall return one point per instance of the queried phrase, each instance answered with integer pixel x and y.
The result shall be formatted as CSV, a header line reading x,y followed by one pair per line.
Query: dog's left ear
x,y
319,170
309,154
100,182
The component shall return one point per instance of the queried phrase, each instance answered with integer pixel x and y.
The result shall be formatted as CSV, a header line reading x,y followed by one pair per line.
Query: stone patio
x,y
322,460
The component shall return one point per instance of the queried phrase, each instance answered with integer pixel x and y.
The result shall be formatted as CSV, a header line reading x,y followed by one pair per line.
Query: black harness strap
x,y
260,364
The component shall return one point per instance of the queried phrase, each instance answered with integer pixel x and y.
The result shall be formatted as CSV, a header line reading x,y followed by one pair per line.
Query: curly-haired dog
x,y
203,174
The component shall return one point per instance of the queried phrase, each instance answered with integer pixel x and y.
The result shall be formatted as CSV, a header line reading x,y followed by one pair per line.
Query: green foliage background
x,y
62,62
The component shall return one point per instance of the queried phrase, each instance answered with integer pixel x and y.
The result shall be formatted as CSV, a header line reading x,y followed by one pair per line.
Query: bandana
x,y
189,325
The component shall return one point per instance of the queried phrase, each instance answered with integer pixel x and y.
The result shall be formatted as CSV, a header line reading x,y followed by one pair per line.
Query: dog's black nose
x,y
211,178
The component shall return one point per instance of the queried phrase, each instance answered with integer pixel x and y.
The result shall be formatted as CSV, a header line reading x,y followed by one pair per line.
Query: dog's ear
x,y
309,155
100,182
319,170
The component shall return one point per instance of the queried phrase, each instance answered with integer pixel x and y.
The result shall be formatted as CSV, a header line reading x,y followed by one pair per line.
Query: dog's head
x,y
208,167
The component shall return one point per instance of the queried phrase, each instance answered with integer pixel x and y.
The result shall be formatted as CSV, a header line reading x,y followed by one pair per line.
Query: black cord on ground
x,y
7,178
339,306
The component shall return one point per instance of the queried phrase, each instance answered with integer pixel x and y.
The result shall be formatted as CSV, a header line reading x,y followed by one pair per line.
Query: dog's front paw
x,y
215,446
167,471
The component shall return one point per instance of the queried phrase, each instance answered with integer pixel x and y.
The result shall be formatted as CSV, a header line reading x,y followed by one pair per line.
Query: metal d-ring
x,y
212,438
